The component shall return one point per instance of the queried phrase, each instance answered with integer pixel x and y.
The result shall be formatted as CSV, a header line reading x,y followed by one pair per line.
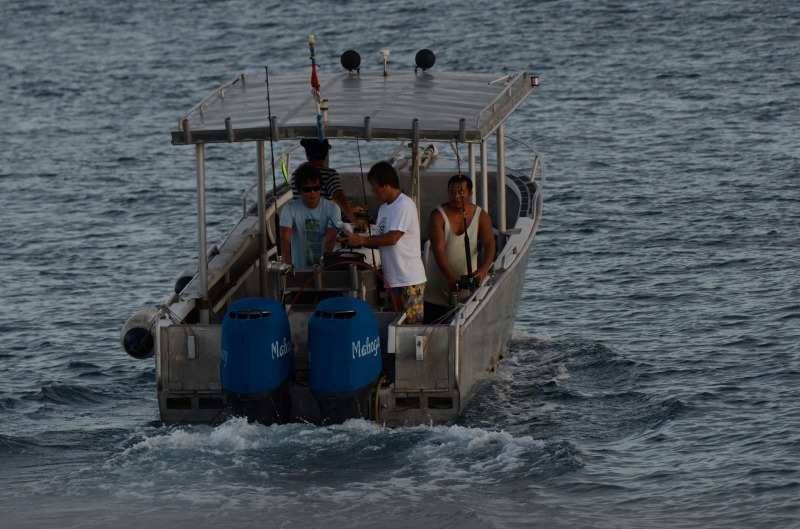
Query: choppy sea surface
x,y
654,377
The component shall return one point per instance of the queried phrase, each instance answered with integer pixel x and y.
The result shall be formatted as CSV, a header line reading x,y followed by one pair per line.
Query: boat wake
x,y
530,426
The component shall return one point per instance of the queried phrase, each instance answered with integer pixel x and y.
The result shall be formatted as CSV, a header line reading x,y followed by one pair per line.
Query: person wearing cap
x,y
317,155
308,225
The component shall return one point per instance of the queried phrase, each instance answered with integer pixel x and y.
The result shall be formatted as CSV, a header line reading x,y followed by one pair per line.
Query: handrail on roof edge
x,y
510,81
219,93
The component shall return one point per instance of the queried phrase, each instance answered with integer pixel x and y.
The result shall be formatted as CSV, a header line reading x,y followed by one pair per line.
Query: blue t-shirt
x,y
309,227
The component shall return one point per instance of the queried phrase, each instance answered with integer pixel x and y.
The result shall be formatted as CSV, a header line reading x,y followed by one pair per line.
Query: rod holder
x,y
229,130
385,56
187,132
367,128
273,128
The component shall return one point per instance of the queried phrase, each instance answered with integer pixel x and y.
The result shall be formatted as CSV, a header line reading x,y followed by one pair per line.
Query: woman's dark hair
x,y
383,174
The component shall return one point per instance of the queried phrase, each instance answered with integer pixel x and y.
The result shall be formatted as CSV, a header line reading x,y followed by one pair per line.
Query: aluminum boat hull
x,y
429,372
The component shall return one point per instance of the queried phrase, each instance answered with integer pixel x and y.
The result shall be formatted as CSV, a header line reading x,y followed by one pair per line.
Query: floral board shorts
x,y
411,301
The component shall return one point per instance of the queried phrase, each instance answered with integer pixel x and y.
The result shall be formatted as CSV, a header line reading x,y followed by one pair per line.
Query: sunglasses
x,y
310,189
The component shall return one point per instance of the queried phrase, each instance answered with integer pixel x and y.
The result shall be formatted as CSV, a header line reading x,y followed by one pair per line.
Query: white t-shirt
x,y
401,263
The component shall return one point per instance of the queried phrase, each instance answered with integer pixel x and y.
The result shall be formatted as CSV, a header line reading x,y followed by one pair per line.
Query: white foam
x,y
524,336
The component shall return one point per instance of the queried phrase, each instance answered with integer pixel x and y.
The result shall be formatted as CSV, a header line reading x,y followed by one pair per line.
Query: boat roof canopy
x,y
413,106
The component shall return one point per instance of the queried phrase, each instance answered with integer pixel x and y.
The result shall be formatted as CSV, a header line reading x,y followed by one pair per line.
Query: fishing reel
x,y
468,282
279,267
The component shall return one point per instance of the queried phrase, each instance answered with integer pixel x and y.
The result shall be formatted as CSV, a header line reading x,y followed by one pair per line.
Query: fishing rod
x,y
468,281
272,160
364,191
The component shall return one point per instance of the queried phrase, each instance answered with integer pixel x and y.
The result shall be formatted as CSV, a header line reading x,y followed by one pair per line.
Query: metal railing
x,y
216,95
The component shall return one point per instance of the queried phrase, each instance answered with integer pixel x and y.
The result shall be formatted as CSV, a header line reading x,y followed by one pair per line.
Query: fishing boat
x,y
243,333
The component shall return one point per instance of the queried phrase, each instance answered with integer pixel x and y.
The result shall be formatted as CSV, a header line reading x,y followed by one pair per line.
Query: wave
x,y
570,390
90,387
16,445
65,394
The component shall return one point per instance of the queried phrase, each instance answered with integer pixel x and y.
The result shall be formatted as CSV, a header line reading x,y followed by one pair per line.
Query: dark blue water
x,y
654,379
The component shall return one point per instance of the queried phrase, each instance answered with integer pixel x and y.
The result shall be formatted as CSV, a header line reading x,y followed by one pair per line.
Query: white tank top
x,y
436,290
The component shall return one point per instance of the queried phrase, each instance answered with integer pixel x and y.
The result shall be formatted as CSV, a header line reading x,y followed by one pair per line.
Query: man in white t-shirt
x,y
398,239
308,226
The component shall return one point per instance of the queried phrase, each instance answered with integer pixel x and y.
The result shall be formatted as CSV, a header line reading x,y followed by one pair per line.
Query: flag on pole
x,y
315,86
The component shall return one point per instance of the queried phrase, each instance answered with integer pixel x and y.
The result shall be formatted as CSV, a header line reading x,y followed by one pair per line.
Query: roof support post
x,y
501,186
415,163
262,218
471,156
202,252
484,176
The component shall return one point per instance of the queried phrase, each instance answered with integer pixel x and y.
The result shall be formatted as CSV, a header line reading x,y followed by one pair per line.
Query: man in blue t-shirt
x,y
308,225
317,155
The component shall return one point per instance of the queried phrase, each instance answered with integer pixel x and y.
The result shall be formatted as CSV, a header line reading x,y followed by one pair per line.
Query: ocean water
x,y
654,377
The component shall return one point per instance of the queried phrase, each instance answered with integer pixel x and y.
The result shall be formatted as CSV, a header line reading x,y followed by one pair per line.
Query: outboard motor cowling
x,y
344,358
257,360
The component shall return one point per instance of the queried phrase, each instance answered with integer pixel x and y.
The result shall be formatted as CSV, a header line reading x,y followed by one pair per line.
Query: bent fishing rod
x,y
272,128
470,278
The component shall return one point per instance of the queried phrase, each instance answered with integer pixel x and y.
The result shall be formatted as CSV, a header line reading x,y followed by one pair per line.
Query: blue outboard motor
x,y
257,360
344,358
